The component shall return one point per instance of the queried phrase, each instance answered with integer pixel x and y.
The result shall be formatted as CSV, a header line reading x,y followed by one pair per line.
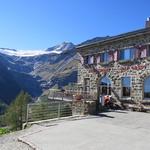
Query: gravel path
x,y
10,141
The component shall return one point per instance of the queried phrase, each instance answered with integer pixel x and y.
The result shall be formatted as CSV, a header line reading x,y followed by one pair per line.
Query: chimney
x,y
147,24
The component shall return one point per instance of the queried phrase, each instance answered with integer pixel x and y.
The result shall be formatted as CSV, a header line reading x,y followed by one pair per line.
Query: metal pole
x,y
27,115
58,110
98,95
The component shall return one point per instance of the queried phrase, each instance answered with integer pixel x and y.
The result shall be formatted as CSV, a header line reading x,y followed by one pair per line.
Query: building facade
x,y
118,66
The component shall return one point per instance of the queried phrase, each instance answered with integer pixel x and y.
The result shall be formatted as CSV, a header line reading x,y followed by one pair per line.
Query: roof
x,y
117,37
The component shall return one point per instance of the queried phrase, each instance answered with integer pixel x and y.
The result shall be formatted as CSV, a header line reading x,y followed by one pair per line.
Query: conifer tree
x,y
16,112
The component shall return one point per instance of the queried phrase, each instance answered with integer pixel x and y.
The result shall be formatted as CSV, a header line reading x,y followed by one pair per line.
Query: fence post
x,y
62,96
83,107
27,117
53,95
58,110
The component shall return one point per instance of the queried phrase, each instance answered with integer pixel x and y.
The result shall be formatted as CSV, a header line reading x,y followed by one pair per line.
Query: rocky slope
x,y
36,71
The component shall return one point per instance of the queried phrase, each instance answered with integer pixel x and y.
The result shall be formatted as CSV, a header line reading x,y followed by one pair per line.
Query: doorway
x,y
104,90
105,86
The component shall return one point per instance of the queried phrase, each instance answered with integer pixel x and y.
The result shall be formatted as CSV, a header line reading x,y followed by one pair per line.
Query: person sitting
x,y
107,101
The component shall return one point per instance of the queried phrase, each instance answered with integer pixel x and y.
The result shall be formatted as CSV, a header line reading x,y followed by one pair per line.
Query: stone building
x,y
118,66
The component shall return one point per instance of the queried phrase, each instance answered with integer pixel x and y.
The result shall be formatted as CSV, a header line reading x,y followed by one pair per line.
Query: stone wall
x,y
81,107
87,72
138,71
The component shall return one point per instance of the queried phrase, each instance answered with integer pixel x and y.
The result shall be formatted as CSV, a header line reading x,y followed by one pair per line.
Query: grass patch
x,y
4,131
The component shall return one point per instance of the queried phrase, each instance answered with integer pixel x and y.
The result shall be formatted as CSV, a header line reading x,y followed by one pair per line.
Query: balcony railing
x,y
70,95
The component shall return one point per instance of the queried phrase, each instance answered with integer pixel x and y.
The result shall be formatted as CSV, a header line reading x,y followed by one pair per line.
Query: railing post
x,y
53,95
62,96
58,110
27,115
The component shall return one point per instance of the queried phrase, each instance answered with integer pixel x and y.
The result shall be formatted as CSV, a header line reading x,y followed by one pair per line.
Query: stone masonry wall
x,y
86,72
138,71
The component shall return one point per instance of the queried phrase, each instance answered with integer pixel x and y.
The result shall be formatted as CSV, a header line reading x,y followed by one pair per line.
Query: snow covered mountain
x,y
22,53
61,48
31,53
38,70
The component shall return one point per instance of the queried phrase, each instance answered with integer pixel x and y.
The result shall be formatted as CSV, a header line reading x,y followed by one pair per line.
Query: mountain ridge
x,y
35,72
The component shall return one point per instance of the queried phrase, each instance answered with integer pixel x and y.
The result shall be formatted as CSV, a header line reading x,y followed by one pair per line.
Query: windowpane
x,y
126,91
104,57
126,81
86,60
148,50
147,88
126,86
127,54
104,90
105,86
105,81
90,59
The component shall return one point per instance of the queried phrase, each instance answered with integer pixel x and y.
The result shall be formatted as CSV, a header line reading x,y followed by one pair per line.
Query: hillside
x,y
36,71
9,88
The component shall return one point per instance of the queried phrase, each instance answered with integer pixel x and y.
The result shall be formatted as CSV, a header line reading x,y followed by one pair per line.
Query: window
x,y
143,52
127,54
90,60
126,86
147,88
148,50
107,56
105,86
87,85
86,60
104,57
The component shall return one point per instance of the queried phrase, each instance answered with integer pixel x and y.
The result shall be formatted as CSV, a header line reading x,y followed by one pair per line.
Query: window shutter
x,y
143,52
97,59
90,60
115,57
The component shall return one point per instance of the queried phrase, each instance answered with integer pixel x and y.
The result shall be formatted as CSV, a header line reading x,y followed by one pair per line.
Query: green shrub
x,y
4,131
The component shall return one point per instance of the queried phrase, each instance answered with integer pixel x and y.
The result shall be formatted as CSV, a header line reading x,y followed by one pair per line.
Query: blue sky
x,y
39,24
